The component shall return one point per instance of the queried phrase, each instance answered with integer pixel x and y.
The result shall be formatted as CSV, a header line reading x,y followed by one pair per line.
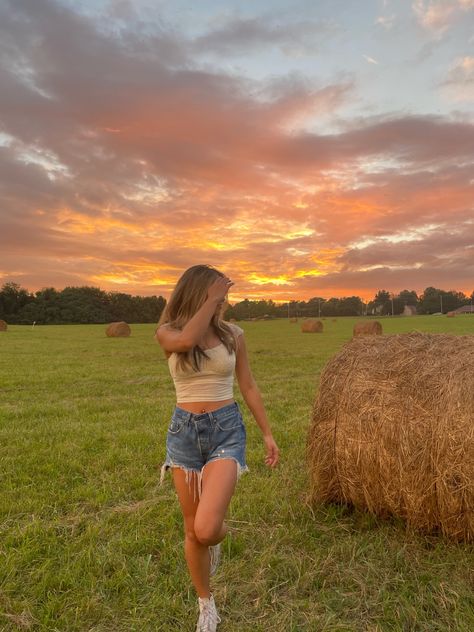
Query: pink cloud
x,y
437,16
129,162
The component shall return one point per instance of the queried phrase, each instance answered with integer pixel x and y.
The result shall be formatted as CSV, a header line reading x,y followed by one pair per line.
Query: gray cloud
x,y
238,35
127,153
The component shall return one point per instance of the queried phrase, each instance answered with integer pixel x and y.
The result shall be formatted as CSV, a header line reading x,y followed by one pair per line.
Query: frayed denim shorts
x,y
195,439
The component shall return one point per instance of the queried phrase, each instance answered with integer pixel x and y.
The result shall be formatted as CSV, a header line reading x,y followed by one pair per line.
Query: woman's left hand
x,y
273,453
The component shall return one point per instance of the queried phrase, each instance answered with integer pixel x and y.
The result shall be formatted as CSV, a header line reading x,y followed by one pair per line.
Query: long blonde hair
x,y
188,296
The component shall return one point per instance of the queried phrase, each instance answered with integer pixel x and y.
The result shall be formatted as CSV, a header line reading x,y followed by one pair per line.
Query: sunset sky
x,y
306,148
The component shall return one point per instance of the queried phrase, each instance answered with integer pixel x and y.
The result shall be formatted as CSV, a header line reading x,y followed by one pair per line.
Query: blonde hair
x,y
188,296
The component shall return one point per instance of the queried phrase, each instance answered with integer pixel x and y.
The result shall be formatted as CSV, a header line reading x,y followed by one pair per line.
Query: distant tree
x,y
453,299
292,311
430,301
351,306
13,298
151,308
382,297
435,300
331,307
265,308
399,305
120,307
84,304
381,304
239,311
45,308
316,306
89,305
302,308
408,297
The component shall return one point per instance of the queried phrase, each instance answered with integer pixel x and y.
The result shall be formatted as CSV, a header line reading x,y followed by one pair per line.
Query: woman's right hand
x,y
218,289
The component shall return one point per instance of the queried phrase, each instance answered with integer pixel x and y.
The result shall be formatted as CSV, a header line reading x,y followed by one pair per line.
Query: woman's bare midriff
x,y
204,407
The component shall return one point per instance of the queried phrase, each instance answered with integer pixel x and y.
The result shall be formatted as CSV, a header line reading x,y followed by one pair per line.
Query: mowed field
x,y
90,541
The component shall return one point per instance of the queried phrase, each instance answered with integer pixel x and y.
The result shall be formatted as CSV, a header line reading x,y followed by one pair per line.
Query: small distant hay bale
x,y
367,328
118,330
3,325
312,326
392,431
450,314
293,320
334,320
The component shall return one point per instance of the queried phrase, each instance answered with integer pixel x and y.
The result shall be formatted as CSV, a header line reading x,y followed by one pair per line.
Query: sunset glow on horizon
x,y
305,149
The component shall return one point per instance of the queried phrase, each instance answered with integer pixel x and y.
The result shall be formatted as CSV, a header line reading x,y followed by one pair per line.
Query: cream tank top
x,y
214,382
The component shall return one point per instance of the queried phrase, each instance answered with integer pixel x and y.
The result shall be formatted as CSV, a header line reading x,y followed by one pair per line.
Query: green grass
x,y
89,541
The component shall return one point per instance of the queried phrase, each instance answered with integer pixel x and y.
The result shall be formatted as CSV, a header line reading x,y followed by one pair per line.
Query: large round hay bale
x,y
3,325
450,314
118,330
393,431
367,328
311,326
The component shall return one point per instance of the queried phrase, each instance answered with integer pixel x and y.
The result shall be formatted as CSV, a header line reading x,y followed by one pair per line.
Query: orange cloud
x,y
126,176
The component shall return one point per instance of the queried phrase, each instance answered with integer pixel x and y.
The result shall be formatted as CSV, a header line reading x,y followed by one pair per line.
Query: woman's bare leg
x,y
204,517
218,485
196,554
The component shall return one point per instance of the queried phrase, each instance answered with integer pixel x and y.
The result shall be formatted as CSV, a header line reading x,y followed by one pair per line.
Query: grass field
x,y
89,541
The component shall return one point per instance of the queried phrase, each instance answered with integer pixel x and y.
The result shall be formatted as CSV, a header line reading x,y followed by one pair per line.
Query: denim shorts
x,y
195,439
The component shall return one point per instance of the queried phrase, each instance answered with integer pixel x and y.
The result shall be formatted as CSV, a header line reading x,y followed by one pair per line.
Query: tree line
x,y
93,305
431,301
76,305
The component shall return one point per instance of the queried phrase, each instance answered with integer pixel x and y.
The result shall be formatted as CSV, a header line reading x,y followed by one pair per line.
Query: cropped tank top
x,y
214,382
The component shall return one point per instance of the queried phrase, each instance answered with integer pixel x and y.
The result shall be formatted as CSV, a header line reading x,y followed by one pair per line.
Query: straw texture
x,y
312,326
367,328
393,430
118,330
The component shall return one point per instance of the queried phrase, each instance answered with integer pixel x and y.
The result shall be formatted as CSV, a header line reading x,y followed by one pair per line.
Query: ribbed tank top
x,y
214,382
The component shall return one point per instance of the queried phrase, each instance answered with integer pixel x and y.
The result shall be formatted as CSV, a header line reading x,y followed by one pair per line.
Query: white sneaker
x,y
208,617
214,556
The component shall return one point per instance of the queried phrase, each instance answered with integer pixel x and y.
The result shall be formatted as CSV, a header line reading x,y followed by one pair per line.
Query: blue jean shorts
x,y
195,439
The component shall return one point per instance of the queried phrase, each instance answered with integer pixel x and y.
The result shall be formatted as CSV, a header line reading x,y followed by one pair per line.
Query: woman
x,y
205,445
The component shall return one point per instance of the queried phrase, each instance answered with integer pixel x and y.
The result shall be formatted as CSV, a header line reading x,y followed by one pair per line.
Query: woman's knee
x,y
190,534
207,532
